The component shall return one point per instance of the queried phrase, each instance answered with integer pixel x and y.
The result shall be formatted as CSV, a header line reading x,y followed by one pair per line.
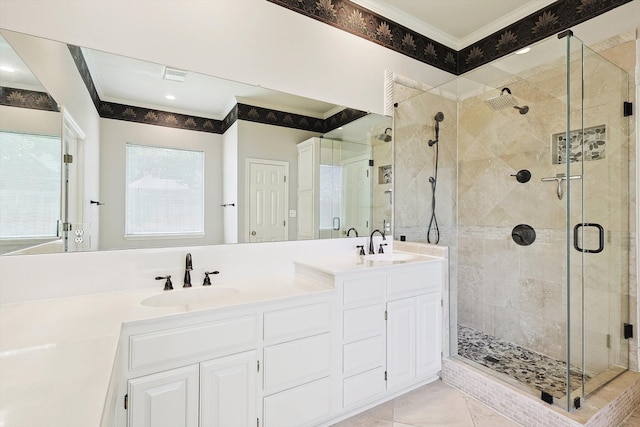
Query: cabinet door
x,y
228,391
429,343
401,342
166,399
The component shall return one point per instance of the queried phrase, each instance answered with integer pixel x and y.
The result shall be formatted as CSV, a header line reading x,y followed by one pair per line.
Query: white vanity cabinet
x,y
216,386
265,364
166,399
297,365
228,391
391,321
216,393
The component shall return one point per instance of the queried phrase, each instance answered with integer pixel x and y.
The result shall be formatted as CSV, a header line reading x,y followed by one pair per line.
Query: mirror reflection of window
x,y
30,179
165,191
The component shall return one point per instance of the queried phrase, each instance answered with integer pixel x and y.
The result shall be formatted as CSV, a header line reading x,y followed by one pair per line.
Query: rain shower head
x,y
386,137
505,100
502,101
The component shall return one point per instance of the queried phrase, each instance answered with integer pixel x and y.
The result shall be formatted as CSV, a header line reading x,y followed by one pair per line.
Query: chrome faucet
x,y
187,269
371,250
354,230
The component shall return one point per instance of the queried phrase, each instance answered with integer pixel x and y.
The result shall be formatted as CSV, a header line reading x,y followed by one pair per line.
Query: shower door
x,y
597,165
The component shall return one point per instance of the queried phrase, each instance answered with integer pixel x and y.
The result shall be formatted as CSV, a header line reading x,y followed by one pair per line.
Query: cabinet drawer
x,y
363,355
426,277
299,406
363,386
297,322
363,322
296,362
363,288
206,340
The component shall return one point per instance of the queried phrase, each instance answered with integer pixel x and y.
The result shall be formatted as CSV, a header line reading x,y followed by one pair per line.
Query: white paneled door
x,y
268,200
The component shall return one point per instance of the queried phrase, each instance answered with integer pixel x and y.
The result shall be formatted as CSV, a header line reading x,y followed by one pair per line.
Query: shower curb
x,y
526,410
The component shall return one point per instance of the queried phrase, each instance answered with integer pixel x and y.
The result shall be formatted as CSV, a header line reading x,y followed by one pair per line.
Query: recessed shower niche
x,y
584,145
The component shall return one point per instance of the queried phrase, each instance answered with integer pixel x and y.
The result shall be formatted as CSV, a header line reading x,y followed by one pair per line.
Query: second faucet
x,y
371,249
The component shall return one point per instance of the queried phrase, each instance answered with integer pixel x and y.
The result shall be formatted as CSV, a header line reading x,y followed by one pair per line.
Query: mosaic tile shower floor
x,y
526,366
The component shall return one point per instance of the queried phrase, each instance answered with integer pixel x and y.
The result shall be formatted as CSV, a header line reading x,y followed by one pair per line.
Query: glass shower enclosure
x,y
532,198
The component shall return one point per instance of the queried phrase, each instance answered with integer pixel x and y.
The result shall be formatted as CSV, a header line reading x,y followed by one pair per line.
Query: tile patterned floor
x,y
436,404
535,369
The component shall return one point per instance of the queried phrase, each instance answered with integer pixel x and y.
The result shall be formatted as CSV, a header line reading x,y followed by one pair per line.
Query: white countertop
x,y
56,356
357,263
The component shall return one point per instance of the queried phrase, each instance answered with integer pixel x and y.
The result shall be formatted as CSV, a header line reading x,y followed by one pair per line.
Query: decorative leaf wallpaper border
x,y
355,19
23,98
130,113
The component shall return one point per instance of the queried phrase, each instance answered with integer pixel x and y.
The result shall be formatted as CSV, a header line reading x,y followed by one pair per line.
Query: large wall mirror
x,y
174,158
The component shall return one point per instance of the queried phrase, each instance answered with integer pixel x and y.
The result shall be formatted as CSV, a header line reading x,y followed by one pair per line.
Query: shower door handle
x,y
600,237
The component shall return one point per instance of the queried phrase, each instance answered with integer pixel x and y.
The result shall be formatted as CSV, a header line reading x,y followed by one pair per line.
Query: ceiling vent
x,y
174,74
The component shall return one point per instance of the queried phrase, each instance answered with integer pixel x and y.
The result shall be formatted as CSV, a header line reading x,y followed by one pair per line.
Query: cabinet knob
x,y
253,233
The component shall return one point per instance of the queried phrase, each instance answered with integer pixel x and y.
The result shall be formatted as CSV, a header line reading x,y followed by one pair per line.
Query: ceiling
x,y
117,78
454,23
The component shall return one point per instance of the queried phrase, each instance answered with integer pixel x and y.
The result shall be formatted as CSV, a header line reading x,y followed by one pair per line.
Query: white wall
x,y
52,64
114,135
26,120
251,41
259,141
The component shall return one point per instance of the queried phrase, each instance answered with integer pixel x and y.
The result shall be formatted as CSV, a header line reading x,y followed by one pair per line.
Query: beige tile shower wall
x,y
516,292
414,164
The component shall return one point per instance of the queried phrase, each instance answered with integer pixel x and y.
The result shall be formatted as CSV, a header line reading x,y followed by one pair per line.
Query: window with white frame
x,y
30,179
164,191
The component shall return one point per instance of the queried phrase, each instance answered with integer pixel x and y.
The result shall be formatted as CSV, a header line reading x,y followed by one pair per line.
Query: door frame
x,y
72,132
247,215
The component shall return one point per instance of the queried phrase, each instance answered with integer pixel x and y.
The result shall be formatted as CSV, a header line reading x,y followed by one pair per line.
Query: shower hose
x,y
433,222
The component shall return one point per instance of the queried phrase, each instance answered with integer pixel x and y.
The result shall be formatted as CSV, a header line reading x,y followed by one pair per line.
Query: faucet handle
x,y
207,279
167,285
361,247
380,249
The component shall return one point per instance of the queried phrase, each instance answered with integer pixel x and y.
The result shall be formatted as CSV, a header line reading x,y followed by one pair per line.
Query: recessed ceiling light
x,y
7,69
523,51
170,97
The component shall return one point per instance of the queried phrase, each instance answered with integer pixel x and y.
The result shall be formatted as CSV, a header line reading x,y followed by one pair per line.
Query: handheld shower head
x,y
438,118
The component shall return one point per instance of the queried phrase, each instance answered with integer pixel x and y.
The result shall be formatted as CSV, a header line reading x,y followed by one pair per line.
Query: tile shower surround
x,y
528,411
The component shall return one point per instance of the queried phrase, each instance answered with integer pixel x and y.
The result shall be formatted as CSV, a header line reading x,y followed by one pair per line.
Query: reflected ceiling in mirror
x,y
134,90
19,87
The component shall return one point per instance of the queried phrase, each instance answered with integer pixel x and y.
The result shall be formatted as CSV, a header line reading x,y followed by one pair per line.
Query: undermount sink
x,y
189,296
392,257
